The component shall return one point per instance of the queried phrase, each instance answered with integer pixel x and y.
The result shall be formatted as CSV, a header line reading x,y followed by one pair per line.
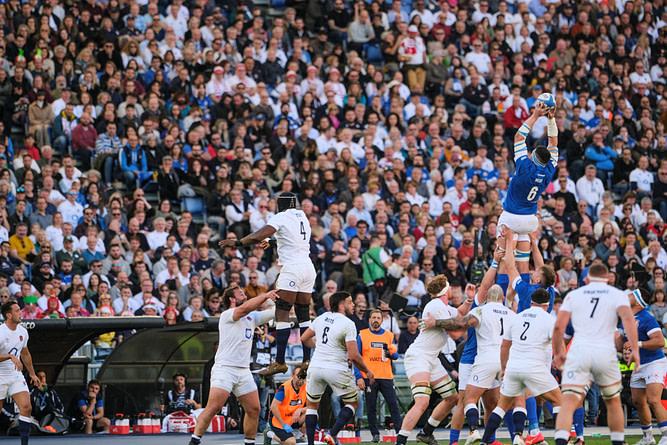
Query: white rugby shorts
x,y
297,278
415,365
465,371
652,372
538,382
521,225
10,386
583,361
341,382
485,375
232,379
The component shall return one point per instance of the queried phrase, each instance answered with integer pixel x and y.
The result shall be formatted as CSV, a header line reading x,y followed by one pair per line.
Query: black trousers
x,y
386,387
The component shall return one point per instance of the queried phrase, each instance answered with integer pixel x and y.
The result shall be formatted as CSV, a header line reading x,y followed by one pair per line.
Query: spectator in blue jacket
x,y
133,163
602,156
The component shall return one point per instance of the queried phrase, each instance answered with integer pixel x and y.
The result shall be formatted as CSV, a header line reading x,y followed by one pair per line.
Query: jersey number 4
x,y
325,331
303,231
532,194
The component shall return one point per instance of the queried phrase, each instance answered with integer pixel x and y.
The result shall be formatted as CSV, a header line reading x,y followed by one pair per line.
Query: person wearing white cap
x,y
647,381
217,86
312,81
412,54
335,83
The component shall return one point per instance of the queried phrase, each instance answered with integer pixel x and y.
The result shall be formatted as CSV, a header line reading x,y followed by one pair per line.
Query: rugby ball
x,y
547,99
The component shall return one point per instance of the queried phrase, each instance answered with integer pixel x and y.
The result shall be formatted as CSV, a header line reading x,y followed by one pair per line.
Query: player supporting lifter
x,y
525,355
646,383
594,310
533,175
490,397
14,355
231,372
336,338
422,367
297,276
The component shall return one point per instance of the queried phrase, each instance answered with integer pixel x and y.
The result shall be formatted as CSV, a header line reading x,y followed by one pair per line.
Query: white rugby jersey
x,y
593,314
12,343
292,236
332,331
235,345
494,318
430,341
530,333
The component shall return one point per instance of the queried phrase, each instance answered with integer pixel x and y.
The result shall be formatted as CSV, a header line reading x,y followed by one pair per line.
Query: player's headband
x,y
537,161
443,291
638,297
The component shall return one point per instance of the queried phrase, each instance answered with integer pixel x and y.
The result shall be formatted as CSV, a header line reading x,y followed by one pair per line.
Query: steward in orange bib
x,y
287,409
377,347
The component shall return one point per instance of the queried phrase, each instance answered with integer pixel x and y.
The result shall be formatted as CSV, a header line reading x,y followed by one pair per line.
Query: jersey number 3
x,y
532,194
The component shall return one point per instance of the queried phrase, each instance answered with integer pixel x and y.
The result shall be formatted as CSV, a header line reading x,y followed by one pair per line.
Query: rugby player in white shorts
x,y
647,383
593,310
525,357
334,337
231,371
422,367
14,356
296,279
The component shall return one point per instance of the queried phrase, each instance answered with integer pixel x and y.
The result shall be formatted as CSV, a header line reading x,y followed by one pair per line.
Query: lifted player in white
x,y
297,277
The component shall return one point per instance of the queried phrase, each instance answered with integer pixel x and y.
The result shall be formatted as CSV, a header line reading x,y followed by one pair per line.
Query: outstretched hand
x,y
227,243
471,290
540,109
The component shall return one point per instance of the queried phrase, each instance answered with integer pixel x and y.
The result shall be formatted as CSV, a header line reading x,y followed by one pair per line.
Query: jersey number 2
x,y
526,325
325,337
532,193
303,231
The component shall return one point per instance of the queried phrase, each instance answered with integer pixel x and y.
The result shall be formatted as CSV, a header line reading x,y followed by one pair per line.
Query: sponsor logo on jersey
x,y
377,344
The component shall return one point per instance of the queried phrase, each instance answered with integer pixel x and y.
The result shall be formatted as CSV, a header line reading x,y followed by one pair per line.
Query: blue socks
x,y
519,420
24,429
454,436
492,425
282,335
533,416
578,421
472,416
509,421
311,425
343,418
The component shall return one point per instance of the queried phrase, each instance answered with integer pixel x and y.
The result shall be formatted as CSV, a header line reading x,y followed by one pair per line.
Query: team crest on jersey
x,y
248,318
21,337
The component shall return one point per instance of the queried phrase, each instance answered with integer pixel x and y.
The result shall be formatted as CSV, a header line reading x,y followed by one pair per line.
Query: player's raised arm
x,y
558,338
552,133
538,260
520,148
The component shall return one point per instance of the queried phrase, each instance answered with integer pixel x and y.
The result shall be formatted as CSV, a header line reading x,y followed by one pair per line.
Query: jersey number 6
x,y
325,337
532,193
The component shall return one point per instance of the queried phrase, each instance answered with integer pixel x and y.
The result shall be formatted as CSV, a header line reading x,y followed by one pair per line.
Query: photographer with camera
x,y
260,359
377,347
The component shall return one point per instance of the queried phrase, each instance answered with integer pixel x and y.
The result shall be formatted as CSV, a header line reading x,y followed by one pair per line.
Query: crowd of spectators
x,y
392,121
